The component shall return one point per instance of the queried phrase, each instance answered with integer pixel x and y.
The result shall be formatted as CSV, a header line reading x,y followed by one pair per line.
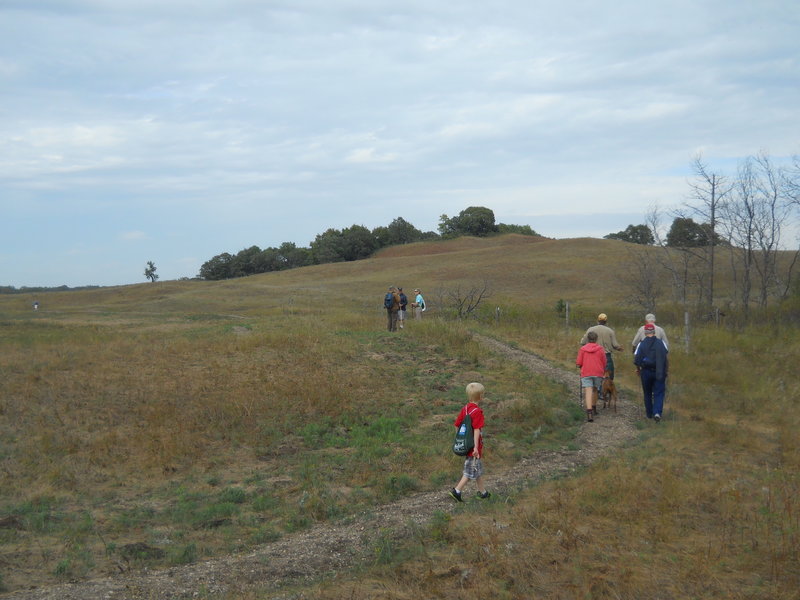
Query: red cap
x,y
649,327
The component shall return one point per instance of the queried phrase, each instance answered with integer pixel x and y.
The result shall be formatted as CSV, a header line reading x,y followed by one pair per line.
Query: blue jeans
x,y
654,390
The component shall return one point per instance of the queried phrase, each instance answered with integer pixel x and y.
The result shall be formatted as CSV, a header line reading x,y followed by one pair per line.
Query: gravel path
x,y
327,549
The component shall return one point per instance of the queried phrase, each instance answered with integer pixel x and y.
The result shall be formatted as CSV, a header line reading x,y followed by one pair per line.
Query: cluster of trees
x,y
685,232
477,221
742,220
634,234
333,245
352,243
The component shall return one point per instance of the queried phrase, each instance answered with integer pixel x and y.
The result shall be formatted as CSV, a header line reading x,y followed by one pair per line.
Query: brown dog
x,y
608,392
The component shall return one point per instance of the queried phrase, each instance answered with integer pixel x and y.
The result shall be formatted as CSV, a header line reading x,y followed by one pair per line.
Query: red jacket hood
x,y
591,348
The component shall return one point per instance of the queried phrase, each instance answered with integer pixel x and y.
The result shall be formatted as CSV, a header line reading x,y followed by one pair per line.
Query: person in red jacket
x,y
473,465
592,362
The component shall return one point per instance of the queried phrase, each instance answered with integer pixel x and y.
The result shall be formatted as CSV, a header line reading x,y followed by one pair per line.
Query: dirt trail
x,y
327,549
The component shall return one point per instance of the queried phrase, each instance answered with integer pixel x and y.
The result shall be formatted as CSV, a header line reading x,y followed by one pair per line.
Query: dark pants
x,y
392,316
610,365
654,391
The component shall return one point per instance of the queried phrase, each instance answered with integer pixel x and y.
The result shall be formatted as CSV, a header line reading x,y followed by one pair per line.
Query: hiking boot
x,y
657,417
484,495
456,495
589,418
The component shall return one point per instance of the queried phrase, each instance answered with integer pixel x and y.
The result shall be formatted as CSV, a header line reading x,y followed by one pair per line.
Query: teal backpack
x,y
464,441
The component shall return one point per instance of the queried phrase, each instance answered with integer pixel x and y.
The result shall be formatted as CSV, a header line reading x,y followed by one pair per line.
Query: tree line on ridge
x,y
353,243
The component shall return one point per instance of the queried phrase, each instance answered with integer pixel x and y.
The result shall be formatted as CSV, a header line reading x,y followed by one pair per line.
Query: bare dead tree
x,y
672,260
762,202
643,278
739,217
709,190
752,213
792,181
774,206
463,302
791,185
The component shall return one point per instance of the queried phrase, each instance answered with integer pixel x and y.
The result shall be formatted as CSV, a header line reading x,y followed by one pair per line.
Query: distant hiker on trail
x,y
592,362
473,467
401,314
391,302
418,305
660,333
606,338
651,363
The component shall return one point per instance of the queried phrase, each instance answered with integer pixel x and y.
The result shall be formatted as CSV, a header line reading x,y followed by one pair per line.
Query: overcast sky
x,y
173,131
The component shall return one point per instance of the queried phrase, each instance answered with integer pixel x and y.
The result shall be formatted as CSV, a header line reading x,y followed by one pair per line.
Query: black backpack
x,y
464,441
645,357
388,301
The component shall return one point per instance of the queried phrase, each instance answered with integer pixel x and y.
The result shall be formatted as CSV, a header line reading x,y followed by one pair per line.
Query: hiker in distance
x,y
660,333
401,314
391,302
418,305
592,362
651,363
606,338
473,464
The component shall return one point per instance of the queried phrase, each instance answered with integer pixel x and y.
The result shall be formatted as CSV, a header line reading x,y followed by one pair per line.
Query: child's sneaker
x,y
484,495
456,495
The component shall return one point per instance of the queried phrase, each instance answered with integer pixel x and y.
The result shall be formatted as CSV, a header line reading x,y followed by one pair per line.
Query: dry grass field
x,y
161,423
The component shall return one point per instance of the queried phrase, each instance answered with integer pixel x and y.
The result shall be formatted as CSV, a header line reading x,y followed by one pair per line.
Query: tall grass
x,y
159,424
705,506
207,434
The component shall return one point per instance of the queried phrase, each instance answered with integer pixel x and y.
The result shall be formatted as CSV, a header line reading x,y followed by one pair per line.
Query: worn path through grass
x,y
330,548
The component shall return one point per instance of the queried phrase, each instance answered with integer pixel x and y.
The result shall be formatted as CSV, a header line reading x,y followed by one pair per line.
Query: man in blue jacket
x,y
651,362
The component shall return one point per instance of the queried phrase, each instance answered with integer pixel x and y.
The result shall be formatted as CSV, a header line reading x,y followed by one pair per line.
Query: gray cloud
x,y
275,120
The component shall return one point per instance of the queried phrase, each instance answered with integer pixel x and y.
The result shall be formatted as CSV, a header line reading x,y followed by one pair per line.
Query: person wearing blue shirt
x,y
652,365
418,305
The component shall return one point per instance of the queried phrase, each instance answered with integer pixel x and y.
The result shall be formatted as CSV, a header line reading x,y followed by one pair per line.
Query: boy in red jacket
x,y
473,467
592,361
